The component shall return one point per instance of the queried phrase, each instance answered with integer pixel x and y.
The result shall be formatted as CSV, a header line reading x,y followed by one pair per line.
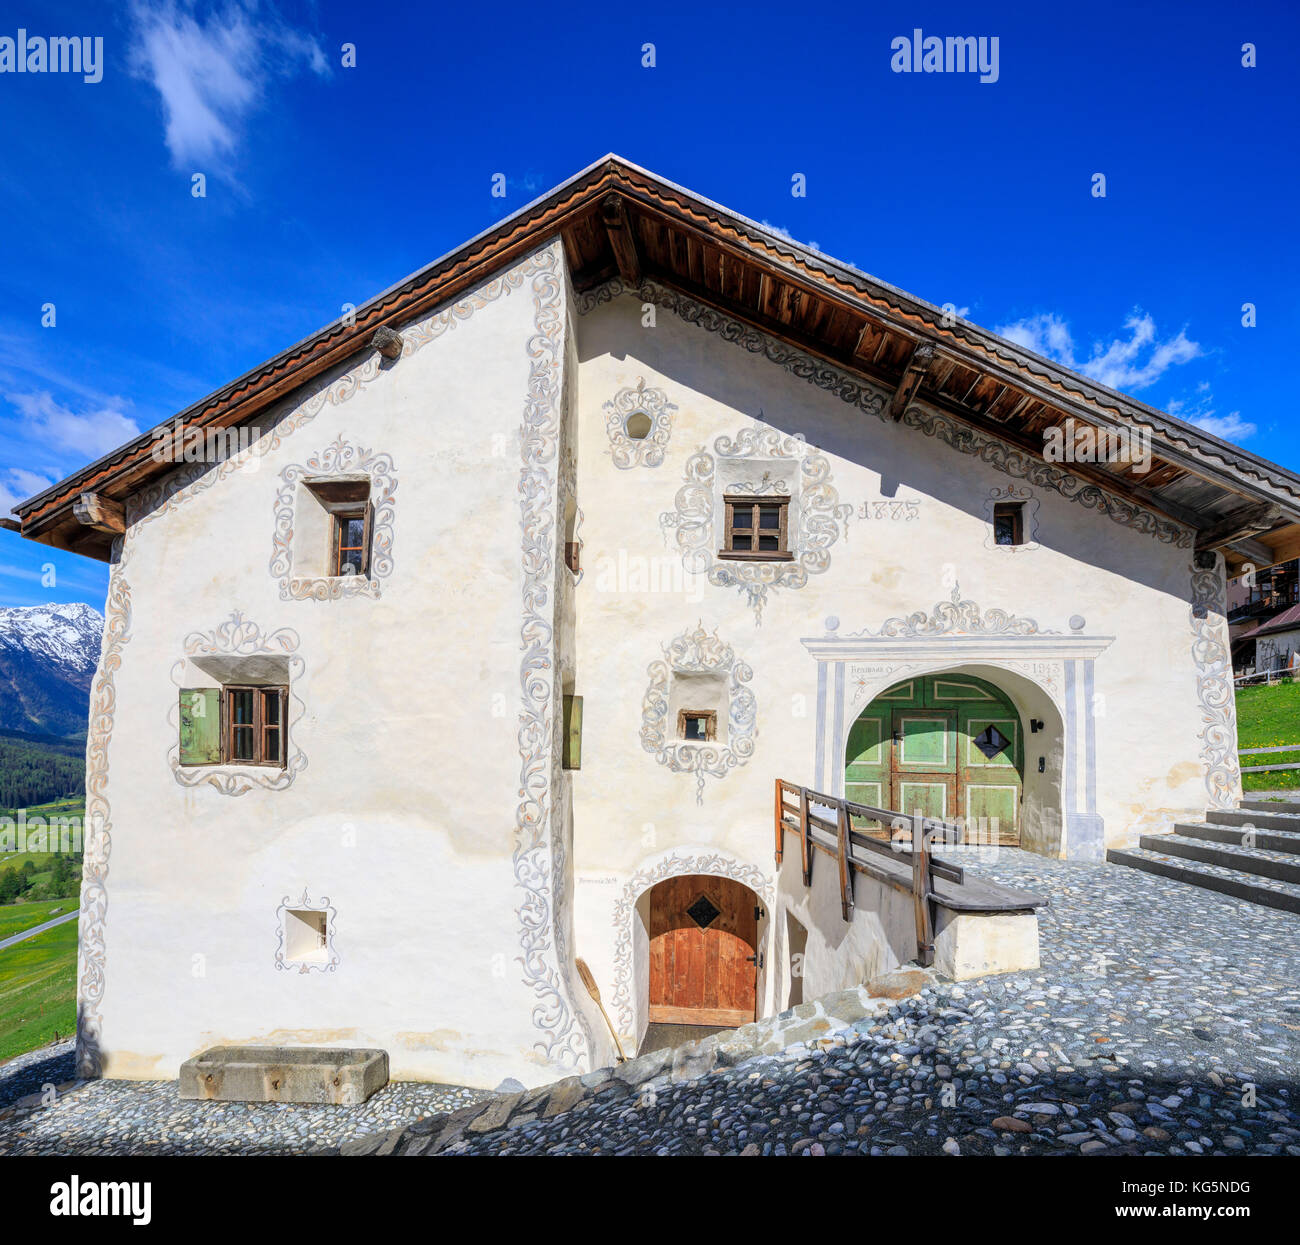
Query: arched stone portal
x,y
1048,676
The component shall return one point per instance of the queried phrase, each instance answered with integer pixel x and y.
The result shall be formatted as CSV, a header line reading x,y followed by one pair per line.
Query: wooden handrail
x,y
807,824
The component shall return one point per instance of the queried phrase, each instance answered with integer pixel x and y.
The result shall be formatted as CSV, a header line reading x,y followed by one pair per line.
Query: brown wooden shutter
x,y
200,726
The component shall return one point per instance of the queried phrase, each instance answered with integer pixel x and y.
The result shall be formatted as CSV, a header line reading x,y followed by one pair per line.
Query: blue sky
x,y
326,184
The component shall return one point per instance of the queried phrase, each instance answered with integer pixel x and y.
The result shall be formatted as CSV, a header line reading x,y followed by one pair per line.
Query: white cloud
x,y
1128,363
55,427
17,484
212,73
1231,427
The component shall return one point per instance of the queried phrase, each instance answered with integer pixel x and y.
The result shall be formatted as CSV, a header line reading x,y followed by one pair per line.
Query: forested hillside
x,y
37,768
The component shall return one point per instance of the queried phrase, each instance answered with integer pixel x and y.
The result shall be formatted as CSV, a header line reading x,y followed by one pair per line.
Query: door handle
x,y
756,959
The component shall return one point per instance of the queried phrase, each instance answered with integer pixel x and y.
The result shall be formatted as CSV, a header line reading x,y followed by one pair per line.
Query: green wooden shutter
x,y
200,726
572,750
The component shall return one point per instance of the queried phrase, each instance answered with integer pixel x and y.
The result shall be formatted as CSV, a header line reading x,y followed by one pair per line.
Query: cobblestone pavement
x,y
148,1117
1157,1007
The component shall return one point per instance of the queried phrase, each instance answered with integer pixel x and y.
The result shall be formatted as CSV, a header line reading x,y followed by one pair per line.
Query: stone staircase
x,y
1251,852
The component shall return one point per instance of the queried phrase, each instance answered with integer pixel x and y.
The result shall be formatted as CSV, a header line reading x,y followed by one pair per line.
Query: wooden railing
x,y
855,852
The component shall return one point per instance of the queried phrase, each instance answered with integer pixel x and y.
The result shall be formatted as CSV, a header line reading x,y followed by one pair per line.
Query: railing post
x,y
805,843
780,821
921,883
846,871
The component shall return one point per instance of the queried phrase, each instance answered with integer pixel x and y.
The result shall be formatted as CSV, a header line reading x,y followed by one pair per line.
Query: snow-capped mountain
x,y
48,655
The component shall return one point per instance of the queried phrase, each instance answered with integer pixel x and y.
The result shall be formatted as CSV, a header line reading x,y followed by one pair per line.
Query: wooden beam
x,y
1240,525
100,512
613,212
387,342
1254,551
913,374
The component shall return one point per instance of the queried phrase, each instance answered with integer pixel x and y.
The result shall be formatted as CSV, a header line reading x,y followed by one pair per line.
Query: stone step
x,y
1253,817
1232,882
1271,806
1257,860
1270,840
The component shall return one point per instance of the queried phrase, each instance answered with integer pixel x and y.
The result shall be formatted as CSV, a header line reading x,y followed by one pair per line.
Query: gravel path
x,y
1156,1008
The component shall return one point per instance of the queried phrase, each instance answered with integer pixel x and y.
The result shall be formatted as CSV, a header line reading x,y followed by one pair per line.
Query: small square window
x,y
1009,523
757,529
306,936
697,725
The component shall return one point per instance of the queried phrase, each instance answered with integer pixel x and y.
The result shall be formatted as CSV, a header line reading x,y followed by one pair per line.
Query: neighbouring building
x,y
1264,619
468,637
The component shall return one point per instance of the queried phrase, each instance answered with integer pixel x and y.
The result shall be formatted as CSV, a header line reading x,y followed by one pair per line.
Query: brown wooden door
x,y
703,952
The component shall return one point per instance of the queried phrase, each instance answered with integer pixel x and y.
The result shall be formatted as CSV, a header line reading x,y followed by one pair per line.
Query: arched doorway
x,y
946,745
703,951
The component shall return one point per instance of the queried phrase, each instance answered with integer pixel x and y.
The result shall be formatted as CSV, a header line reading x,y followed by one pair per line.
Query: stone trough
x,y
328,1075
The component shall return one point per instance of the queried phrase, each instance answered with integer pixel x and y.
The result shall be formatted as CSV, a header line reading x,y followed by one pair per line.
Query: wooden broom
x,y
590,982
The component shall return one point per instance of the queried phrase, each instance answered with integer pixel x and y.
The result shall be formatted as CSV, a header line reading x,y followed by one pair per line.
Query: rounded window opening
x,y
638,425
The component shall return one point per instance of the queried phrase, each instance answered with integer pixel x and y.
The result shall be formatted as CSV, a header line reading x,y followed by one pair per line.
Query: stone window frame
x,y
338,461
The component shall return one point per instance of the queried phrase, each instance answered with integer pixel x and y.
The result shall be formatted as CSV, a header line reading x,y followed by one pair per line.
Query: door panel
x,y
703,931
954,748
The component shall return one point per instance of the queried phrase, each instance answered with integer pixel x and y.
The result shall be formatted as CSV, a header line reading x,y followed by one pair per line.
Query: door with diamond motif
x,y
703,951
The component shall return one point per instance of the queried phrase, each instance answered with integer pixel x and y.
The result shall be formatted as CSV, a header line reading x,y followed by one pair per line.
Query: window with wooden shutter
x,y
200,726
757,529
233,725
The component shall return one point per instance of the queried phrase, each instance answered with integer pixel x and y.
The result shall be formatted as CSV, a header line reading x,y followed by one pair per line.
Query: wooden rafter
x,y
613,212
918,363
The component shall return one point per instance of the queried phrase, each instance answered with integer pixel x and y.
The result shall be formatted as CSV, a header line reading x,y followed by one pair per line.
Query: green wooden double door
x,y
945,746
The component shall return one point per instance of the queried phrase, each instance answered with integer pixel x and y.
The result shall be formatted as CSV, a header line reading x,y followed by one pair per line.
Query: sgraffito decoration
x,y
1000,455
98,837
699,652
338,459
330,961
712,864
957,616
1214,685
239,637
626,450
538,856
816,513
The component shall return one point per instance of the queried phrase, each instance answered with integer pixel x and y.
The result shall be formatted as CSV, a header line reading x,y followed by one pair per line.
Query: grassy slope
x,y
43,861
38,996
1267,717
14,918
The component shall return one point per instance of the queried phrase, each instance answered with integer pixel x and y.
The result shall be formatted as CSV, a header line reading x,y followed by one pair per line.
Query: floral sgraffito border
x,y
1214,685
648,451
238,637
305,904
699,652
816,520
710,864
339,459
